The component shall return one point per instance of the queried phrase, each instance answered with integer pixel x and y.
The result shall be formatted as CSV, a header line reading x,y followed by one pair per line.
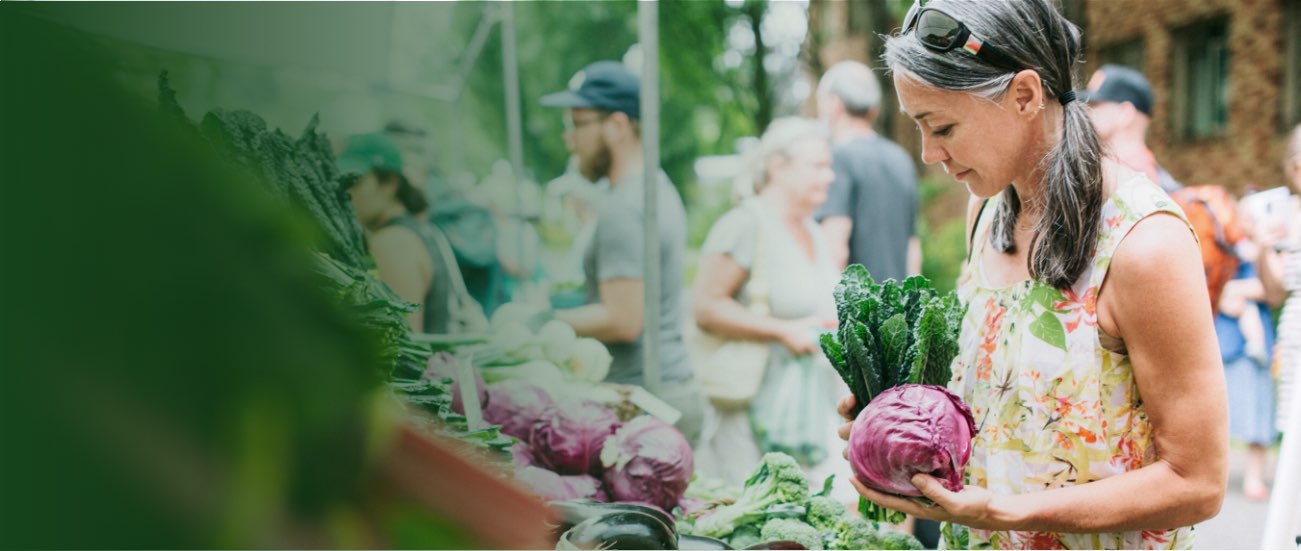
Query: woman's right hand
x,y
845,407
798,337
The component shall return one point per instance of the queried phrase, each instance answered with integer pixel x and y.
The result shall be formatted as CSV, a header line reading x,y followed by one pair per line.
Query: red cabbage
x,y
911,429
553,487
568,439
648,461
445,366
521,456
515,405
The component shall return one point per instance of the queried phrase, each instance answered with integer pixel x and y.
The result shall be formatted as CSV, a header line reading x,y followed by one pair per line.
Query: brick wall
x,y
1249,154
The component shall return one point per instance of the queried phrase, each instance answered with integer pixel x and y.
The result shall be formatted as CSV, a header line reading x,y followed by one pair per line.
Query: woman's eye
x,y
941,132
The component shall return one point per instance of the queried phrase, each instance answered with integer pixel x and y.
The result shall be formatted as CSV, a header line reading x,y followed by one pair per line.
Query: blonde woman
x,y
788,175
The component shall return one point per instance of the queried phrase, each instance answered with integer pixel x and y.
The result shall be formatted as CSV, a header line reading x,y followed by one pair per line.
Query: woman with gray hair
x,y
771,235
1087,351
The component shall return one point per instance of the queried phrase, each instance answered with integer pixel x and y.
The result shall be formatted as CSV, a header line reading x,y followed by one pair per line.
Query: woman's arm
x,y
1155,298
717,281
404,265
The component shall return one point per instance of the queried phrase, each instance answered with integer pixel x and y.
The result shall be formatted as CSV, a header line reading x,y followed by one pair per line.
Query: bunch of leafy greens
x,y
891,334
302,173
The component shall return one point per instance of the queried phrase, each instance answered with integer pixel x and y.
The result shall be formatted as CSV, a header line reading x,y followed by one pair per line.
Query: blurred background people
x,y
870,215
1246,334
603,106
1120,105
412,257
1279,241
788,177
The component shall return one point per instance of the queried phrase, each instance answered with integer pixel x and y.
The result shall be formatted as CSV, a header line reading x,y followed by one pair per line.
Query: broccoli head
x,y
778,480
789,529
894,539
823,512
853,532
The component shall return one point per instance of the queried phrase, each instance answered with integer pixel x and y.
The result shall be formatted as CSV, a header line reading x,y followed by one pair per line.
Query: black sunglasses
x,y
941,32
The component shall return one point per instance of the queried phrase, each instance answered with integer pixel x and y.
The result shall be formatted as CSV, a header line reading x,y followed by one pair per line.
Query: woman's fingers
x,y
901,504
843,431
845,408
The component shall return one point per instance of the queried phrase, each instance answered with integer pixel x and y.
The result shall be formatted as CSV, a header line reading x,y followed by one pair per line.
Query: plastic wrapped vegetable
x,y
515,405
648,461
568,439
445,366
554,487
907,430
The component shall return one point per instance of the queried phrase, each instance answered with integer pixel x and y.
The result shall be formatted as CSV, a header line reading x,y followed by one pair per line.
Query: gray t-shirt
x,y
617,252
876,187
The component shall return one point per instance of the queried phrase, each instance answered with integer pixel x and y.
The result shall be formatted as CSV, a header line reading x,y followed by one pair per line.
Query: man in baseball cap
x,y
605,85
1120,104
603,107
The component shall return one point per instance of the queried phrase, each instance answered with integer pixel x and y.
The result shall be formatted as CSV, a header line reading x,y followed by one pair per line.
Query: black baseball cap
x,y
607,85
1121,84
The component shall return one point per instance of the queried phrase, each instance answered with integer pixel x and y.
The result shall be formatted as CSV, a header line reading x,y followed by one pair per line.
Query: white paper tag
x,y
652,405
470,395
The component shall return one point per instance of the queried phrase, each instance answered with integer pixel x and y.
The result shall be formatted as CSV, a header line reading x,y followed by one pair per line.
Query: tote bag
x,y
731,371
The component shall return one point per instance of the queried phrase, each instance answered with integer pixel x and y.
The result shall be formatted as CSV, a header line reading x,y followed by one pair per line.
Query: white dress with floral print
x,y
1054,398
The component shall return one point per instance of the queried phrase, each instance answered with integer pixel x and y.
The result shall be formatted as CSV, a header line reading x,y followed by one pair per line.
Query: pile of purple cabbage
x,y
581,450
893,348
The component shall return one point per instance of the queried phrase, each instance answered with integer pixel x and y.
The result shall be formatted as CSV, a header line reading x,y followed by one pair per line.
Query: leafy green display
x,y
891,334
302,173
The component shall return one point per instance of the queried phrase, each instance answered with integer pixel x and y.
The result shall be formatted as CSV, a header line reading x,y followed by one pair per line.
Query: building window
x,y
1200,91
1291,93
1128,53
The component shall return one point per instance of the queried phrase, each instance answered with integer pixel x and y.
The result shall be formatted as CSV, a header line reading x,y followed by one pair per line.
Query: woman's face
x,y
371,198
982,143
805,175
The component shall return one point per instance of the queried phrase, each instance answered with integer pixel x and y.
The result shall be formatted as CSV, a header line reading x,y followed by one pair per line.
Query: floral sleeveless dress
x,y
1054,398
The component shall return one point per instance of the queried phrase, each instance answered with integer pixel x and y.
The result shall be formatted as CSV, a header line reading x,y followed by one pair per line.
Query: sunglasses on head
x,y
941,32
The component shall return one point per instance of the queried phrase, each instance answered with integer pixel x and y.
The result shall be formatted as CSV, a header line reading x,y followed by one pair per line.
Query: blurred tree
x,y
840,31
707,100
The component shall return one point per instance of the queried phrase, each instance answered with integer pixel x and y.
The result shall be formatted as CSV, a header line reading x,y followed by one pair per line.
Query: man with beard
x,y
602,130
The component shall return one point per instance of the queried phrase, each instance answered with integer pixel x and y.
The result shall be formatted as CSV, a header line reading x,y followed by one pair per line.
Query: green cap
x,y
363,153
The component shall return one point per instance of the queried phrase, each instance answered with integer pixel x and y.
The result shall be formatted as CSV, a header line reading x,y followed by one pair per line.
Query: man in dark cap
x,y
1120,101
603,109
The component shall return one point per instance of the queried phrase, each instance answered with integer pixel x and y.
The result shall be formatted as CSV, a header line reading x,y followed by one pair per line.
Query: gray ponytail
x,y
1038,37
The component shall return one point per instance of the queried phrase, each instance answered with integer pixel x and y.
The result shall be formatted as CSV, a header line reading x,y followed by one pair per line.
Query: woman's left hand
x,y
972,507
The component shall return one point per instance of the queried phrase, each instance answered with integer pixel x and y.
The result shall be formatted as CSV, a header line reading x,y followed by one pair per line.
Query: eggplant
x,y
701,543
777,545
619,530
574,511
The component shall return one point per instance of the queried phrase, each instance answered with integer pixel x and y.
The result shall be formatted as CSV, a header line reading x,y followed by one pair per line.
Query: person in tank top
x,y
406,248
1087,352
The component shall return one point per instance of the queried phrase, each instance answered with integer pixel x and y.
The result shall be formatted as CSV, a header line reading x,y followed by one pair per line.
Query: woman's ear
x,y
1027,92
775,165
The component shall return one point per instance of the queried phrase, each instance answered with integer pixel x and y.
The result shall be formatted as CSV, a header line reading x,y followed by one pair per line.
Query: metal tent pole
x,y
648,35
510,70
514,132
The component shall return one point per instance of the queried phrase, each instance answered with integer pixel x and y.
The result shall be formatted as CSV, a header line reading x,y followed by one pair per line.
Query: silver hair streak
x,y
1037,37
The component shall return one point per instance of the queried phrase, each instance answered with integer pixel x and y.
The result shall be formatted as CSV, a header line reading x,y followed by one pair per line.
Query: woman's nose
x,y
931,151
